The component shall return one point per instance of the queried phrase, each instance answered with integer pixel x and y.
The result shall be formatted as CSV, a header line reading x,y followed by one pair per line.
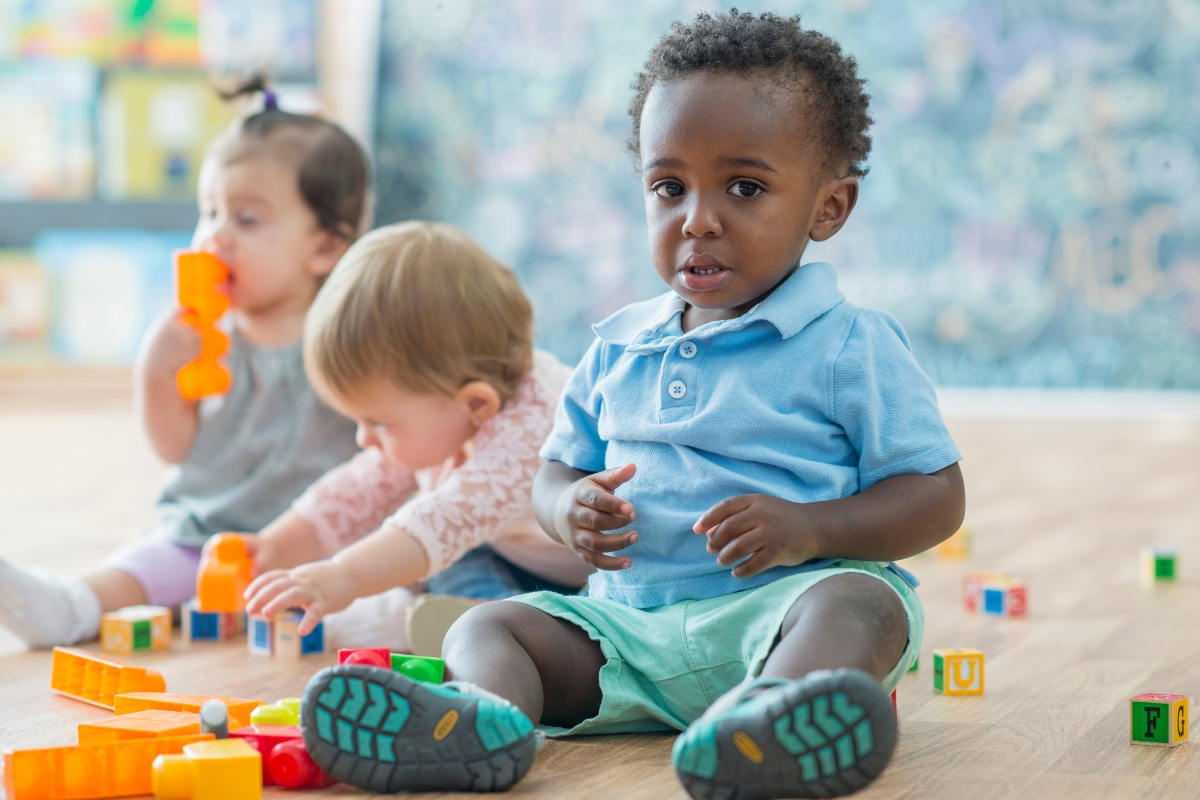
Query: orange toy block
x,y
225,574
84,676
197,276
109,769
140,725
239,710
227,769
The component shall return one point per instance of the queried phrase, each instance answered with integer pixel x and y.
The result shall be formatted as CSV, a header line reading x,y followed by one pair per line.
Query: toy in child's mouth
x,y
198,281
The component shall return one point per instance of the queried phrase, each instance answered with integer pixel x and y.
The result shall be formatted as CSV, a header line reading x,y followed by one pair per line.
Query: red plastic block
x,y
197,276
225,574
285,761
239,710
110,769
367,656
93,679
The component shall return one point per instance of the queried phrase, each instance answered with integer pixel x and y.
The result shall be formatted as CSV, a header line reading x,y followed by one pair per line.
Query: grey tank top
x,y
257,448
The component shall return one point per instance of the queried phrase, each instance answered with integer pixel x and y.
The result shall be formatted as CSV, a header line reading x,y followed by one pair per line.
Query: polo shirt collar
x,y
807,294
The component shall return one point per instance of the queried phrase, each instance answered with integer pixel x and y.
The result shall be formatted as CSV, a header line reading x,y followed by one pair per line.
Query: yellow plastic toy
x,y
197,276
225,574
225,769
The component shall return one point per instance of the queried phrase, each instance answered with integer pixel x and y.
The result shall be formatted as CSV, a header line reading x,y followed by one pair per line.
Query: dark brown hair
x,y
802,59
331,169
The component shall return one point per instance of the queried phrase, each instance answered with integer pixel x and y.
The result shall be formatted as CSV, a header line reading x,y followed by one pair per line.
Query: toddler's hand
x,y
170,344
590,507
320,588
770,530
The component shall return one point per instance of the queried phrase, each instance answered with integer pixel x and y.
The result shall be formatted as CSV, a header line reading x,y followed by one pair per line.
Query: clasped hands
x,y
757,530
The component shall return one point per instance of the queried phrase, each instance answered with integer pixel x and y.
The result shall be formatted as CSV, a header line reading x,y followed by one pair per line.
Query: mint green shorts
x,y
666,665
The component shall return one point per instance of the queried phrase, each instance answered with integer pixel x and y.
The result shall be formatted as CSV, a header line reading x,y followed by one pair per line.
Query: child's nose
x,y
702,218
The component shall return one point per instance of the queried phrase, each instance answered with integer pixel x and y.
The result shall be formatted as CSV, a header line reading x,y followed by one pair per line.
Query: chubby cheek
x,y
427,445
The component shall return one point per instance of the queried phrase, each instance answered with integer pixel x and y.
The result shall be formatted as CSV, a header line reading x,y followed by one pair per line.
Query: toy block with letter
x,y
225,769
197,278
957,547
136,628
142,725
419,668
210,626
84,676
1159,565
958,671
286,762
280,637
225,574
995,593
260,635
109,769
1158,719
239,710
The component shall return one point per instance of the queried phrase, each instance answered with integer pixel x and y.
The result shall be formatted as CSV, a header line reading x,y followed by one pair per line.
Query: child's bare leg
x,y
115,589
848,620
547,667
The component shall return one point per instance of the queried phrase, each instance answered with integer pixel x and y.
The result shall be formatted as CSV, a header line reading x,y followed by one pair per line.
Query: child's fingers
x,y
601,561
731,528
604,542
600,498
256,591
744,545
311,617
610,479
722,511
584,517
753,565
292,597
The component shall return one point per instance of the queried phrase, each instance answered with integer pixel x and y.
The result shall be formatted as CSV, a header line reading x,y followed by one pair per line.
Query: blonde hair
x,y
422,306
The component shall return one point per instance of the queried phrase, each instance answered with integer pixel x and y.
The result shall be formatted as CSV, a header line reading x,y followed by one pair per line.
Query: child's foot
x,y
430,617
45,609
824,735
377,730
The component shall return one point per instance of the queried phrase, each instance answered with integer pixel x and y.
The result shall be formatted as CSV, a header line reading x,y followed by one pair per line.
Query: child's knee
x,y
858,599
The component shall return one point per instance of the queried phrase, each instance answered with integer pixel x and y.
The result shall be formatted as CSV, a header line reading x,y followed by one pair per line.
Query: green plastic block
x,y
420,668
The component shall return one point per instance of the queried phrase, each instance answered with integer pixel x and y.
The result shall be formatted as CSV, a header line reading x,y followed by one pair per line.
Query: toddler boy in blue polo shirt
x,y
742,458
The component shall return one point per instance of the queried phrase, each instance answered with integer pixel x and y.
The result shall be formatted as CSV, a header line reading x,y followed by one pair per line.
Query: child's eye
x,y
746,189
669,189
247,220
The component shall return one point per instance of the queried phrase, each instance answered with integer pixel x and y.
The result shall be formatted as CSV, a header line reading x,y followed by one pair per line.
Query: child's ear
x,y
480,400
836,201
329,250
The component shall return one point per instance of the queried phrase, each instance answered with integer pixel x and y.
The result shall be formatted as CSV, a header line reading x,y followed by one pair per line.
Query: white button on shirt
x,y
677,389
688,349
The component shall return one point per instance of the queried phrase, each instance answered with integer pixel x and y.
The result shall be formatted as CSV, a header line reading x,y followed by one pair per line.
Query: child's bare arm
x,y
169,420
574,507
896,518
388,558
289,541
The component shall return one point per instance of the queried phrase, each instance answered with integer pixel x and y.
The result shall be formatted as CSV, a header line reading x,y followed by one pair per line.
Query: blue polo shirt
x,y
805,397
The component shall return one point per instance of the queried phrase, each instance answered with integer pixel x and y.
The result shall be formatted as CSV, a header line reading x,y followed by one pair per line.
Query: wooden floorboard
x,y
1064,504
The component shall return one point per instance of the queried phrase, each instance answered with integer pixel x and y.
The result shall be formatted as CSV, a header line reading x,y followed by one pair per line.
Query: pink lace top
x,y
453,509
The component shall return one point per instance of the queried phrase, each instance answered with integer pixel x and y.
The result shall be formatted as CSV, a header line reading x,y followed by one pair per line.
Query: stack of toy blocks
x,y
280,637
136,628
1158,719
210,626
995,593
197,278
84,676
224,575
1159,565
958,671
239,710
225,769
957,547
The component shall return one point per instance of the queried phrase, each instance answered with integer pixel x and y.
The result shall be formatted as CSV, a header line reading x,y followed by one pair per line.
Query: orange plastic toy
x,y
141,725
227,769
197,276
239,710
111,769
84,676
225,574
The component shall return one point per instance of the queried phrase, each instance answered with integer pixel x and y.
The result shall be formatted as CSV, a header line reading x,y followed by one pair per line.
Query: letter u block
x,y
1160,720
958,671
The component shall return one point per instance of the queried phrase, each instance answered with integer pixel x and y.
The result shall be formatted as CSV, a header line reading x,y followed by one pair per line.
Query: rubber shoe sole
x,y
377,730
826,735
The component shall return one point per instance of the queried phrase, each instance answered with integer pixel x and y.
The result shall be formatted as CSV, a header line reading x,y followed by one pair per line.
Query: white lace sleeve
x,y
352,500
483,496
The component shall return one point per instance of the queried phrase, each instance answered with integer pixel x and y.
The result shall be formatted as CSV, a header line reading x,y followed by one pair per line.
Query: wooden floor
x,y
1067,505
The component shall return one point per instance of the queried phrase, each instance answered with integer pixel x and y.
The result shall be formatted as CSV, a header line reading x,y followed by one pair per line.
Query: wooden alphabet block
x,y
210,626
1159,565
1160,720
288,641
958,671
136,628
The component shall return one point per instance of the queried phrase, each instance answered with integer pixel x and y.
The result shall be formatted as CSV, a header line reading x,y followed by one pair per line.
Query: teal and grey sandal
x,y
377,730
825,735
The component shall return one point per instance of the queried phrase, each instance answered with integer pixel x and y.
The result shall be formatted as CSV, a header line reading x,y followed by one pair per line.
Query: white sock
x,y
46,609
375,621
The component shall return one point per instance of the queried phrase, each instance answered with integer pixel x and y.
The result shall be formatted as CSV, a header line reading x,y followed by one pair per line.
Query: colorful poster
x,y
278,37
1032,214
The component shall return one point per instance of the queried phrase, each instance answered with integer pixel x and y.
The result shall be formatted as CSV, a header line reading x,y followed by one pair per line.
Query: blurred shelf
x,y
21,222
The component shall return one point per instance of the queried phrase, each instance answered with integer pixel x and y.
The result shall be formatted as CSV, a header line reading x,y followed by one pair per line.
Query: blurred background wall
x,y
1031,214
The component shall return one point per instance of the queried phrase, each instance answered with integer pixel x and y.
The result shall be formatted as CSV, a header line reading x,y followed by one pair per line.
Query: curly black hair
x,y
742,43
